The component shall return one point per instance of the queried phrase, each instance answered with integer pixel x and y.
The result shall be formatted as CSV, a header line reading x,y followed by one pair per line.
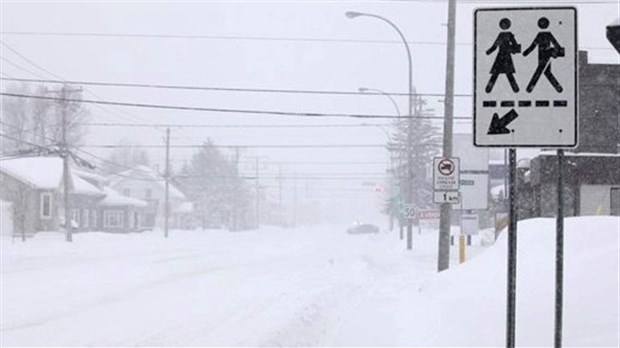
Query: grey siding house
x,y
34,186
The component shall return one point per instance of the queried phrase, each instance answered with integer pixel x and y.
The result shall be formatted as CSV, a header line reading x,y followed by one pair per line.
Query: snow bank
x,y
471,298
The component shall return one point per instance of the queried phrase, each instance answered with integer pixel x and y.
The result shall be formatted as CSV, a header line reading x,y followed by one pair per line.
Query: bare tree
x,y
15,120
39,121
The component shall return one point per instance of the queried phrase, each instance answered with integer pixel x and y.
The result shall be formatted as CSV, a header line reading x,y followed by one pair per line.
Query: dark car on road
x,y
362,229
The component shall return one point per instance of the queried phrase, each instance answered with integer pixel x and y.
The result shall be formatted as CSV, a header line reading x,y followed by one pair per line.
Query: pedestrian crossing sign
x,y
525,77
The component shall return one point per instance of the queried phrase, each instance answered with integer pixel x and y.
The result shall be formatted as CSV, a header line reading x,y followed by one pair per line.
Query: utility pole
x,y
443,260
64,152
65,165
167,178
257,196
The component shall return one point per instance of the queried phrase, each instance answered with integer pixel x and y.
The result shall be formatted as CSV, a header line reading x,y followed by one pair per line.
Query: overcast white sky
x,y
258,64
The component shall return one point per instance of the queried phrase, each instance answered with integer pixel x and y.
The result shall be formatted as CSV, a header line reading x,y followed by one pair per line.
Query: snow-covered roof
x,y
614,23
82,186
45,173
89,175
185,207
142,172
40,172
114,198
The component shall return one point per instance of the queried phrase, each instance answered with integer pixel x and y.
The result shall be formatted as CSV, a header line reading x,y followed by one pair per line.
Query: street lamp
x,y
367,90
353,15
391,150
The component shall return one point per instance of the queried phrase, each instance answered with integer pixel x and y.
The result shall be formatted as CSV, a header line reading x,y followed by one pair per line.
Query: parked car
x,y
362,228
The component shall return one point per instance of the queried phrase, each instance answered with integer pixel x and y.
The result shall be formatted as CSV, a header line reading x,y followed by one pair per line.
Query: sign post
x,y
526,95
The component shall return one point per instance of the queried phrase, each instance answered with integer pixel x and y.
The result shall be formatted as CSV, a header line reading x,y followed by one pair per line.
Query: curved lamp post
x,y
353,15
366,90
391,142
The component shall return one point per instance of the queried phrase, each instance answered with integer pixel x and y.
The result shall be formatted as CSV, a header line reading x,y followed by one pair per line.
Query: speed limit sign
x,y
409,212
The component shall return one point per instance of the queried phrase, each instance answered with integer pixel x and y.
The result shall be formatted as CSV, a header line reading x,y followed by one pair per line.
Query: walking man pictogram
x,y
548,48
506,46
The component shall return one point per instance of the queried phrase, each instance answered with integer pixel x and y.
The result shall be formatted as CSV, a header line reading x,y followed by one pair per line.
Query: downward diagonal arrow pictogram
x,y
498,125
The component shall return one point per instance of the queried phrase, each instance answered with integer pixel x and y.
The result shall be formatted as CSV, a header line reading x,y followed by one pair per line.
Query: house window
x,y
126,192
93,218
113,218
75,216
46,205
85,217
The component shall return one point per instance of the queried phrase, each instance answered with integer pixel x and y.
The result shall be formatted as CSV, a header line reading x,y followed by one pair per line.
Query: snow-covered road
x,y
302,287
273,287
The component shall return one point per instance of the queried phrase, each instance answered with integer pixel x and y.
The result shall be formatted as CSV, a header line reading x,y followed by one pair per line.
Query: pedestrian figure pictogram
x,y
548,48
506,46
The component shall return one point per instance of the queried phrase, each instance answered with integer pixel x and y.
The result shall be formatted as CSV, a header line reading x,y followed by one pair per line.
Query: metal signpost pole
x,y
559,254
541,114
443,258
512,251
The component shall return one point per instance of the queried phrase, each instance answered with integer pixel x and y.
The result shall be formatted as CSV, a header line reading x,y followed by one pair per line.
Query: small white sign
x,y
525,77
446,173
474,191
452,197
470,224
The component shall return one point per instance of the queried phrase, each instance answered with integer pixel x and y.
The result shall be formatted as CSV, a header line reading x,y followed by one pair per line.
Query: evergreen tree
x,y
425,142
211,181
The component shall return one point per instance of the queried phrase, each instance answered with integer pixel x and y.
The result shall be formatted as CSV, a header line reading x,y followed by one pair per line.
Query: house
x,y
34,186
119,213
115,212
146,184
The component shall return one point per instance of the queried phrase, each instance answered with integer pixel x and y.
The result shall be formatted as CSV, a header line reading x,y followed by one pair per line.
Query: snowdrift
x,y
471,298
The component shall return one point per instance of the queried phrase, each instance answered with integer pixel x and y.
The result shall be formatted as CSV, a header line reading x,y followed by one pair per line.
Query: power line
x,y
74,148
230,89
29,61
181,125
60,81
19,67
222,110
255,38
279,146
321,162
178,125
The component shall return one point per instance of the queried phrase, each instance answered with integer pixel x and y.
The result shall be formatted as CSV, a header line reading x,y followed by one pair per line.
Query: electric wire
x,y
225,110
233,89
